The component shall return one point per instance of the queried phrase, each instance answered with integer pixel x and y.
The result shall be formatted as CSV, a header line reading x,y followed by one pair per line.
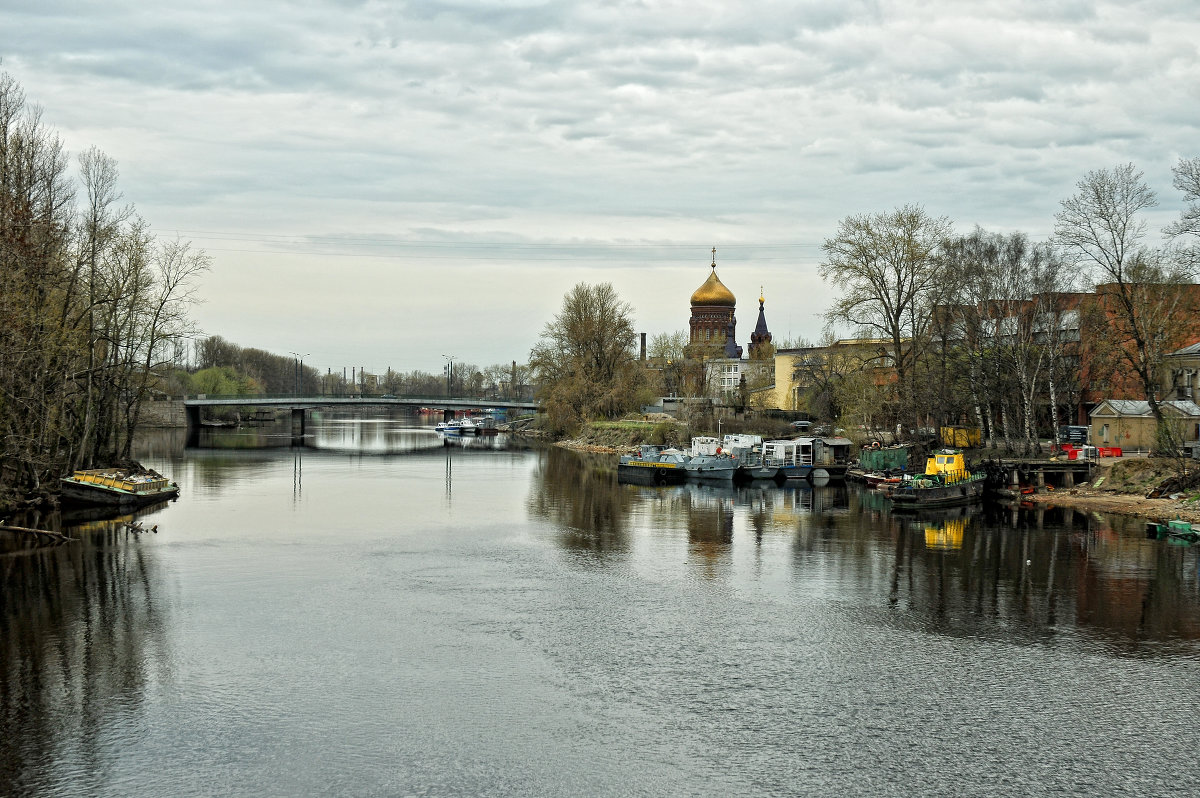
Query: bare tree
x,y
887,267
1187,180
1139,288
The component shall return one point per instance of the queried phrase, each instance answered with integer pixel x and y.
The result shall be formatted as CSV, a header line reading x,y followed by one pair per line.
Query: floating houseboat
x,y
809,458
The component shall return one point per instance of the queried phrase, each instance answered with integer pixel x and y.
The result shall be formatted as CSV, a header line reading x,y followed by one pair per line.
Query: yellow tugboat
x,y
945,483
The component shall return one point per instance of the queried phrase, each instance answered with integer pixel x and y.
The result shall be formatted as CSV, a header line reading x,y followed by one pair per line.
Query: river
x,y
376,613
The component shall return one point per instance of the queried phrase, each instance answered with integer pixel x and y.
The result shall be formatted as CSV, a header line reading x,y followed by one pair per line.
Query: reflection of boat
x,y
476,442
946,482
652,465
946,535
82,516
1176,530
118,487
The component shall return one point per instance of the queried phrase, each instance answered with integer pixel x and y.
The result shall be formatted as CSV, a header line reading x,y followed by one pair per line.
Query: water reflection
x,y
82,636
1031,573
580,495
382,434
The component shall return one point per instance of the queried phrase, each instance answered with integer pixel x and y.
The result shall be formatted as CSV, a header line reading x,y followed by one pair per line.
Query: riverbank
x,y
1120,486
623,437
1186,507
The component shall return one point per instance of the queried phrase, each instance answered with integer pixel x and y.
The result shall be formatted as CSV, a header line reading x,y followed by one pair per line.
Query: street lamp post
x,y
449,374
299,380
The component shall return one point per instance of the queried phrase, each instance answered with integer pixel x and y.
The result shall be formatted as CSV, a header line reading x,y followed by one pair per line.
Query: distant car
x,y
801,425
824,429
388,396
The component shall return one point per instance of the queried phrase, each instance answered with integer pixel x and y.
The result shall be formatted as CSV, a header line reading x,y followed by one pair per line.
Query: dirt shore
x,y
1162,510
1120,486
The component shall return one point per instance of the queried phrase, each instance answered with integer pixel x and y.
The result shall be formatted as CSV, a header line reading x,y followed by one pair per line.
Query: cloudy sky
x,y
382,184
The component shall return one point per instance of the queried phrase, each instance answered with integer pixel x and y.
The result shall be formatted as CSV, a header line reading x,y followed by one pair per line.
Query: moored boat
x,y
1177,530
653,465
945,483
117,487
709,462
459,426
791,459
747,449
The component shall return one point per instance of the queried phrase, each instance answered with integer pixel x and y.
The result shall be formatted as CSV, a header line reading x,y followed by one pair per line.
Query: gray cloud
x,y
520,147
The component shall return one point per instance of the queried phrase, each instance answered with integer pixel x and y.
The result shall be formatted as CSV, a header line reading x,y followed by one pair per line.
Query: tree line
x,y
989,329
1001,332
225,368
93,305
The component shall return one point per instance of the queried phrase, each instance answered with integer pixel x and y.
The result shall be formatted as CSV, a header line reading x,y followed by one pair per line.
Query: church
x,y
712,337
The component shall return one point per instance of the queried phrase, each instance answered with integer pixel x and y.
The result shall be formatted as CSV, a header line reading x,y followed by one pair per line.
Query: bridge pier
x,y
447,414
297,426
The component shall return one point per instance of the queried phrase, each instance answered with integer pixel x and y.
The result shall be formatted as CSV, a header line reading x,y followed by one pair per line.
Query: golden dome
x,y
713,292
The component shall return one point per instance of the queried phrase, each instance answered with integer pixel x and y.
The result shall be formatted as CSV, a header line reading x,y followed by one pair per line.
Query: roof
x,y
760,329
1140,407
714,292
1194,349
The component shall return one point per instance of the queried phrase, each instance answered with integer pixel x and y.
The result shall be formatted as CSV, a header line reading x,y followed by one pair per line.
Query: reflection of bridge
x,y
299,405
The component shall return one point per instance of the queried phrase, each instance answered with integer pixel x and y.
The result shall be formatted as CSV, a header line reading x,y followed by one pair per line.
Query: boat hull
x,y
833,473
712,468
649,473
758,472
912,498
795,471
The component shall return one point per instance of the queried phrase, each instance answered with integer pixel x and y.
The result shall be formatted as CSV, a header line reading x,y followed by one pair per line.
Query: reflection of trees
x,y
580,494
1017,573
81,635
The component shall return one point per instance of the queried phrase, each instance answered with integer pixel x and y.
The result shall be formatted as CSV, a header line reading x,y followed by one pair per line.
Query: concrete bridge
x,y
300,405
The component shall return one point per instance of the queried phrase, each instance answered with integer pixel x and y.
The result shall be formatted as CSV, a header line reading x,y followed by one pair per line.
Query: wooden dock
x,y
1039,473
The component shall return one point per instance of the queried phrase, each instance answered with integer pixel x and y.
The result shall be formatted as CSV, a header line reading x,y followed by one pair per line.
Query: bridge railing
x,y
432,399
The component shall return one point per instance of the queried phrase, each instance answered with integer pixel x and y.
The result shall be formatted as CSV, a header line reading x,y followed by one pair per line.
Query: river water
x,y
376,613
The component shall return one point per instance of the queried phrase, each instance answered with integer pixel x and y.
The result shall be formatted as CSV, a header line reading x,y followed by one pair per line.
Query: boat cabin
x,y
741,441
792,453
832,451
946,463
704,446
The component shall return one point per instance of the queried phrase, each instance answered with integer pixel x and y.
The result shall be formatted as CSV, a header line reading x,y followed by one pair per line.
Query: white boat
x,y
809,458
459,426
747,449
709,461
793,458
